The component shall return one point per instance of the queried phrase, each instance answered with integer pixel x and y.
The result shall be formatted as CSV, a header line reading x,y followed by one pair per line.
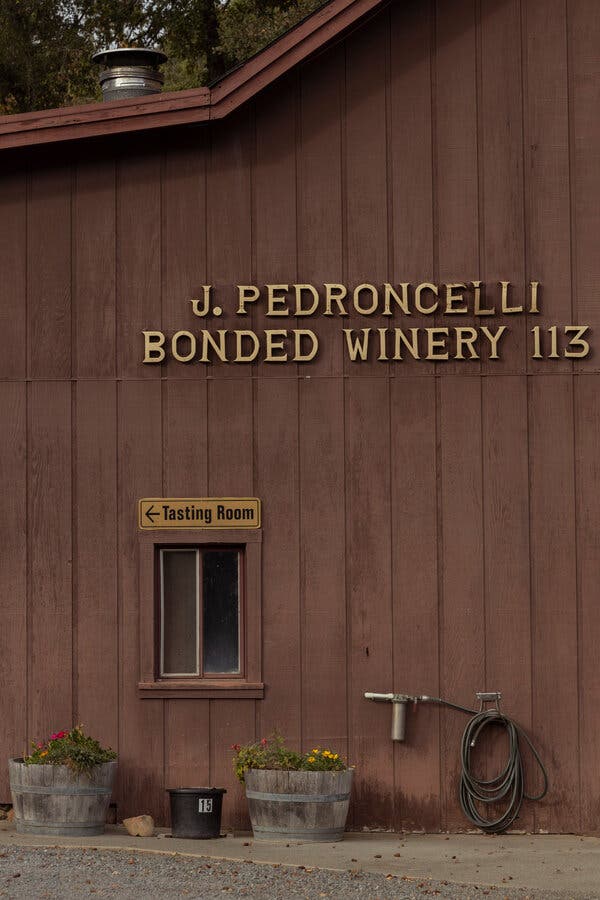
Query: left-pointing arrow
x,y
151,513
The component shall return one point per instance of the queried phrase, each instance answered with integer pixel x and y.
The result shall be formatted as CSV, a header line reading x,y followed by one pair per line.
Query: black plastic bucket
x,y
196,812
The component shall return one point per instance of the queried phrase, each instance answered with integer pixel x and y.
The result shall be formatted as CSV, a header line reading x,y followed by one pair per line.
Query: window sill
x,y
223,689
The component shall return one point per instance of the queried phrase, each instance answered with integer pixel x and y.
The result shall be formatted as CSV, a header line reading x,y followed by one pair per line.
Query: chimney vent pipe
x,y
130,72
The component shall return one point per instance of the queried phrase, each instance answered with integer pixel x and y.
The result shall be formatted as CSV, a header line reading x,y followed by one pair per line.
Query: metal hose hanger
x,y
507,786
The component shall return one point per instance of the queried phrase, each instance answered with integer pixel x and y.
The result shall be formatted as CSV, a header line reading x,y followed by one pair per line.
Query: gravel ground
x,y
54,872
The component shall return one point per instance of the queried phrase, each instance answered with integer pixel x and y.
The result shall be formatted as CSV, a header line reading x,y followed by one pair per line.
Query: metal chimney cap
x,y
130,56
130,72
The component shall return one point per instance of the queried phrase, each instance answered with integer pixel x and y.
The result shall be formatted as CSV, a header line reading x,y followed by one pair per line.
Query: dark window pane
x,y
180,617
220,592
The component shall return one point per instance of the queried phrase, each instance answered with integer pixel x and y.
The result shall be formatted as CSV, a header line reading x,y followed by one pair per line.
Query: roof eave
x,y
193,106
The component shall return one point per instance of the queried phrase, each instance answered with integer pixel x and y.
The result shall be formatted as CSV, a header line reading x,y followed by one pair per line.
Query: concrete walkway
x,y
537,862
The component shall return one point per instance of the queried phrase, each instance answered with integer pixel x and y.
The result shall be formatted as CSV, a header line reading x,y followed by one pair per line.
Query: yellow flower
x,y
311,759
326,753
44,753
335,756
315,752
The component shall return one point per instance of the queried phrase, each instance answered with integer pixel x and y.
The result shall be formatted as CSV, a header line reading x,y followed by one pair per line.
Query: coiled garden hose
x,y
507,787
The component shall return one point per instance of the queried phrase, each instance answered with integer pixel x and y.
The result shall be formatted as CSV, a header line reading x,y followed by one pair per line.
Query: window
x,y
200,611
200,614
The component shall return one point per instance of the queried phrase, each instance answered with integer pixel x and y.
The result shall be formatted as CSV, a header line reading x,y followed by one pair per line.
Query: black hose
x,y
508,786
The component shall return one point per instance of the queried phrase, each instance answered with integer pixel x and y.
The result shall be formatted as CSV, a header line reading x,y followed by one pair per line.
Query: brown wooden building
x,y
429,525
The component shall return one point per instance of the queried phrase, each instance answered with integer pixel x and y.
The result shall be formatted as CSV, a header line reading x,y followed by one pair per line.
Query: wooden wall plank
x,y
185,438
553,597
277,481
49,272
187,744
456,155
411,149
274,210
584,97
229,224
368,594
506,548
367,222
320,195
415,621
96,604
230,438
183,242
323,564
547,188
587,421
140,780
13,265
185,453
231,721
94,266
462,625
230,474
13,575
501,187
50,619
138,258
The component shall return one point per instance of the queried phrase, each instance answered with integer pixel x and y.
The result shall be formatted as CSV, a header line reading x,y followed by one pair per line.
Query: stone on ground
x,y
140,826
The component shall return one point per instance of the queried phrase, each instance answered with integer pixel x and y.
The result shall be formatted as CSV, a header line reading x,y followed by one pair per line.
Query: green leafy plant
x,y
272,753
74,749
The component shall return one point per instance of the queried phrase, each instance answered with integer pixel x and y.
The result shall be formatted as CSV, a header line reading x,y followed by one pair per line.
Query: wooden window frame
x,y
246,684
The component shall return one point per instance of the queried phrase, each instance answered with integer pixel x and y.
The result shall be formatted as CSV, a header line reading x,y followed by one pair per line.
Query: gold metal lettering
x,y
452,298
533,306
276,299
335,293
426,286
358,347
478,311
240,356
412,346
374,299
402,301
183,357
504,294
247,293
579,330
299,335
306,288
219,348
553,342
273,345
153,346
433,343
493,338
202,307
466,337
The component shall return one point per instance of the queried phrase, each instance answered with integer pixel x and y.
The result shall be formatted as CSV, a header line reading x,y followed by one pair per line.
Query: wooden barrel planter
x,y
56,800
305,806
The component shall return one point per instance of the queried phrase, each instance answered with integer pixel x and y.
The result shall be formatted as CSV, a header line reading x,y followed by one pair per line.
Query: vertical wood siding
x,y
428,528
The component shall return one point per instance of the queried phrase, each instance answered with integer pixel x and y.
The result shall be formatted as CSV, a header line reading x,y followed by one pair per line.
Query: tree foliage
x,y
46,45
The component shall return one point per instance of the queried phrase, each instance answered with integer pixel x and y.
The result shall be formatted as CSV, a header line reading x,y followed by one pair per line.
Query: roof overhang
x,y
194,106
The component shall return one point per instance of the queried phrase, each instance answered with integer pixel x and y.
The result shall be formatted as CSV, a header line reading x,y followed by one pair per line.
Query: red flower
x,y
264,742
235,747
40,746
